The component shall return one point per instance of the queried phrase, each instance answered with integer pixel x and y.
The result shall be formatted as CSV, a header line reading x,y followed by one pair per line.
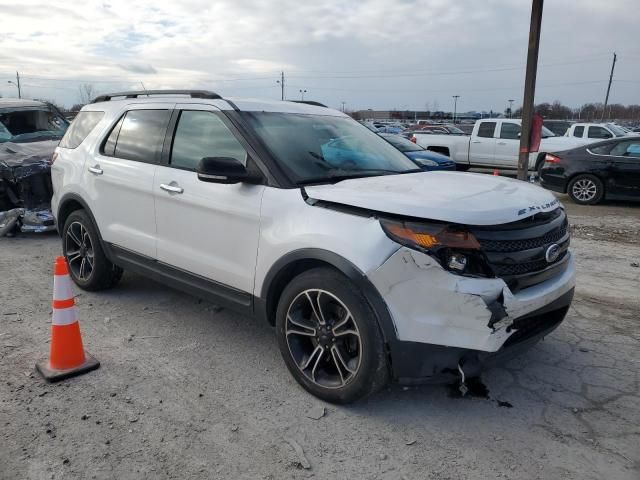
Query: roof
x,y
19,102
226,103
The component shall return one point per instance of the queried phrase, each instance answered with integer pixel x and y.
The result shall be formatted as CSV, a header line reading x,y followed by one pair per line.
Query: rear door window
x,y
80,128
578,131
630,148
486,129
510,131
139,136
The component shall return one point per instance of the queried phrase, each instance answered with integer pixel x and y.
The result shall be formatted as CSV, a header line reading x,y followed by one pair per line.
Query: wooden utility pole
x,y
606,99
281,82
530,87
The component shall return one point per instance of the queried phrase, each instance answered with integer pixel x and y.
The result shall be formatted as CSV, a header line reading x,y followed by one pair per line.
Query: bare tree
x,y
86,93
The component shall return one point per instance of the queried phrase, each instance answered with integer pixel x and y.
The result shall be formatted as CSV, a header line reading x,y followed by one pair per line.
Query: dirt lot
x,y
190,391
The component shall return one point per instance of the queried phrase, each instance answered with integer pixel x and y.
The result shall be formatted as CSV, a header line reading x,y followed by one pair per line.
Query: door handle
x,y
96,170
502,143
171,188
476,141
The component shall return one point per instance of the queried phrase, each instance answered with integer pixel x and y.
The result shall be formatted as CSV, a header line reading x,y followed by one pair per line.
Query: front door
x,y
482,146
207,229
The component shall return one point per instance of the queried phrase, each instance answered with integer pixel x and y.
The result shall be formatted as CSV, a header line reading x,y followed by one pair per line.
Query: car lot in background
x,y
443,129
426,159
609,169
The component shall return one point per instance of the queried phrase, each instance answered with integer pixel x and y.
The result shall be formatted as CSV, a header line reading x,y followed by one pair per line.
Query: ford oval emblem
x,y
552,253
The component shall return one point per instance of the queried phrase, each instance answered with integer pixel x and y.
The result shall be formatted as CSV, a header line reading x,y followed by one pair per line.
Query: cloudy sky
x,y
381,54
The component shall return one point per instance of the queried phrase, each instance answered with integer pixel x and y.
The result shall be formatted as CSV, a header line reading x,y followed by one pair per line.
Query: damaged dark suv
x,y
29,133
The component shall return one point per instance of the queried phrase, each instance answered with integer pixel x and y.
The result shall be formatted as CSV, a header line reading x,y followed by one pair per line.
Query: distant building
x,y
414,115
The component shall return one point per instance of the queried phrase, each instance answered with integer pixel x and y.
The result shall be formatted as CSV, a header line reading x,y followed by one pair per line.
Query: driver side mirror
x,y
223,170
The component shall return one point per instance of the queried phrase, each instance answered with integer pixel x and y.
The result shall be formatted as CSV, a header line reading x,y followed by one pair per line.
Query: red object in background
x,y
413,139
536,133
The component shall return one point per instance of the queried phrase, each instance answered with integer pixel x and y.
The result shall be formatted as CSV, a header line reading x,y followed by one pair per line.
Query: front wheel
x,y
586,189
329,337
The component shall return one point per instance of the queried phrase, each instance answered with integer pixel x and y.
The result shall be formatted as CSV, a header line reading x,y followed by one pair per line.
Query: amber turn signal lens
x,y
429,236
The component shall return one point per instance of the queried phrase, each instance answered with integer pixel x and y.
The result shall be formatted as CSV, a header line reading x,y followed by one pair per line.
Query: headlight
x,y
427,163
428,236
456,249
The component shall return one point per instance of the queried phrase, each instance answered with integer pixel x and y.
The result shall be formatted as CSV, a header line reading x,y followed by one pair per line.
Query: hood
x,y
456,197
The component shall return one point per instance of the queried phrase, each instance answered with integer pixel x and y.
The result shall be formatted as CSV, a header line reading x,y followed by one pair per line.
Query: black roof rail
x,y
309,102
141,93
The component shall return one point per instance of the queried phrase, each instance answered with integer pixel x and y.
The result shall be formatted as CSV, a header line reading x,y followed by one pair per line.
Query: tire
x,y
539,165
462,167
586,189
340,368
81,245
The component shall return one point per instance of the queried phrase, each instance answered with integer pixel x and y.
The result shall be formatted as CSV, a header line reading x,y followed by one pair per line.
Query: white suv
x,y
369,269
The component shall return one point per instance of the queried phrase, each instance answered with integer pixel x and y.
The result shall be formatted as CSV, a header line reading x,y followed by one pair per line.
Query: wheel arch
x,y
298,261
70,203
577,174
443,150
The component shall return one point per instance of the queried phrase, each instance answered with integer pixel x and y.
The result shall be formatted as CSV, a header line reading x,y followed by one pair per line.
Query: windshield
x,y
402,143
31,124
617,130
322,148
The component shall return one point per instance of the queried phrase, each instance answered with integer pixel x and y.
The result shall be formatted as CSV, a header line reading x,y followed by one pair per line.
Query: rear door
x,y
596,132
508,145
624,168
482,147
119,178
207,229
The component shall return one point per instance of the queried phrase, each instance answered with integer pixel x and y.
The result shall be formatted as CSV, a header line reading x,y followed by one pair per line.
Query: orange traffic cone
x,y
67,357
496,173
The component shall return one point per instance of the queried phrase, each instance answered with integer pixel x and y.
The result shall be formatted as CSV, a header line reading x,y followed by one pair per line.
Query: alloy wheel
x,y
79,251
584,190
323,338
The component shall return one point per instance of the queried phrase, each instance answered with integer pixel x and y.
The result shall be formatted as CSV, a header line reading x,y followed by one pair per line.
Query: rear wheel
x,y
586,189
329,337
88,265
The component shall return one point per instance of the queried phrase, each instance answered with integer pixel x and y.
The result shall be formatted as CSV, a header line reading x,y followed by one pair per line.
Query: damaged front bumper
x,y
442,319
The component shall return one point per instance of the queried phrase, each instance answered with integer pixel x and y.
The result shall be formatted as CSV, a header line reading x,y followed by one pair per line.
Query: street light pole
x,y
343,104
302,92
529,87
511,108
455,107
17,84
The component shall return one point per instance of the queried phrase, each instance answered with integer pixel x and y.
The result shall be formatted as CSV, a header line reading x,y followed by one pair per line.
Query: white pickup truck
x,y
493,142
594,132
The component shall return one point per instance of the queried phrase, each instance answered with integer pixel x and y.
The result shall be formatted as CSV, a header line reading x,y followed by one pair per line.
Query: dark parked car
x,y
609,169
426,159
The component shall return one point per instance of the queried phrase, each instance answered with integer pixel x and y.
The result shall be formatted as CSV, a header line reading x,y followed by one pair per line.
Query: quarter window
x,y
486,129
138,136
81,127
578,131
203,134
510,131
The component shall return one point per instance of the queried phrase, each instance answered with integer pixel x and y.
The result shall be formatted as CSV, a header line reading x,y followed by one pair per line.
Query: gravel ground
x,y
187,390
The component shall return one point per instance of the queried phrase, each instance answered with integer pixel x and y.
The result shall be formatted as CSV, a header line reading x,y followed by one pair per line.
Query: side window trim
x,y
103,142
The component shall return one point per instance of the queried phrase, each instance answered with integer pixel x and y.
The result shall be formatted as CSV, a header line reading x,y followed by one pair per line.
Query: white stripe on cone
x,y
62,287
64,316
